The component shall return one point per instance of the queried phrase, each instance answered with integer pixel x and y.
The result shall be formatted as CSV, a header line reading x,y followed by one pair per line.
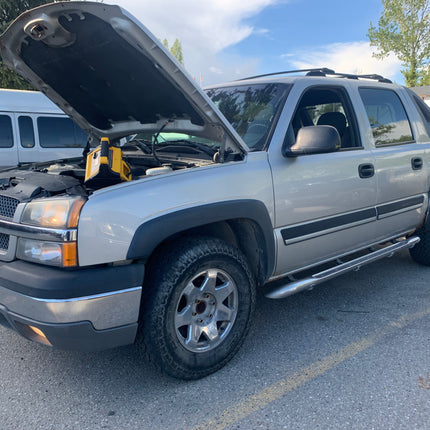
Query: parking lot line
x,y
258,401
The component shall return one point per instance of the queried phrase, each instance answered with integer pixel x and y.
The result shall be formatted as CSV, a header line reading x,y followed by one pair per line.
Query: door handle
x,y
417,163
366,170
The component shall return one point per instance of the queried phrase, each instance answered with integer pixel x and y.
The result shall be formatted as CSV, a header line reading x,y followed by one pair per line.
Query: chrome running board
x,y
294,286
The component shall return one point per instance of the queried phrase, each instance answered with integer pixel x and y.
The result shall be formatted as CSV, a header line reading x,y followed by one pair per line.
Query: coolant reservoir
x,y
159,170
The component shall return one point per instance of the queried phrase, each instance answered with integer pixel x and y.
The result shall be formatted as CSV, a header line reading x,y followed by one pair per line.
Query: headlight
x,y
44,252
55,213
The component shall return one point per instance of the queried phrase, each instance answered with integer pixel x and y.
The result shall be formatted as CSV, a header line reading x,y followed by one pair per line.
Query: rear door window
x,y
387,117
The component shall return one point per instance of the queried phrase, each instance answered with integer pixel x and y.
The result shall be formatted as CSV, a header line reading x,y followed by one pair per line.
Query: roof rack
x,y
323,71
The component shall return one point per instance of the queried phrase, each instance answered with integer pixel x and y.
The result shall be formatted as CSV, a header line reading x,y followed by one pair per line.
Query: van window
x,y
26,131
6,134
60,133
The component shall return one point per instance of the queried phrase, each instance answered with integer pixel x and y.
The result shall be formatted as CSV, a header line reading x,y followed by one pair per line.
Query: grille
x,y
8,206
4,241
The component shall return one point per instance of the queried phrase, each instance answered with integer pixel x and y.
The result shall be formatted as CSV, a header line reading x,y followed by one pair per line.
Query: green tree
x,y
404,29
9,10
426,76
175,50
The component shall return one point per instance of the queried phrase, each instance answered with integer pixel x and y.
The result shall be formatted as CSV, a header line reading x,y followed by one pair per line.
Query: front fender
x,y
153,232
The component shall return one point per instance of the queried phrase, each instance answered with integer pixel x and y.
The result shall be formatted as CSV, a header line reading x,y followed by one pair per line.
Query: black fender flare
x,y
154,231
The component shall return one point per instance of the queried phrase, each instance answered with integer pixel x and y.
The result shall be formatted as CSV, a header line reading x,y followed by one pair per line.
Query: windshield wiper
x,y
141,144
188,143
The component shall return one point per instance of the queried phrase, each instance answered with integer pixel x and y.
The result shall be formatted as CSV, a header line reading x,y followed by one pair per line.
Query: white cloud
x,y
354,57
205,28
262,31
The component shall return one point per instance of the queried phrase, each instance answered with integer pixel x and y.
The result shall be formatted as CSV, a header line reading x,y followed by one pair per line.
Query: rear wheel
x,y
197,313
421,251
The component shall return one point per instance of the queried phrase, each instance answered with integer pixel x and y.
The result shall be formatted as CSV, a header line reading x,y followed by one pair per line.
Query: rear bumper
x,y
56,307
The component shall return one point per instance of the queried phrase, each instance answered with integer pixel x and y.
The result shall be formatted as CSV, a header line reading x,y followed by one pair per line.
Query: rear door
x,y
399,161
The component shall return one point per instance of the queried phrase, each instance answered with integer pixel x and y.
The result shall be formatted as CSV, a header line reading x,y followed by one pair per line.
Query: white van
x,y
32,128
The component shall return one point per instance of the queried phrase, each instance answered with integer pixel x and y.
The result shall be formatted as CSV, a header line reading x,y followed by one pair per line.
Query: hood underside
x,y
109,73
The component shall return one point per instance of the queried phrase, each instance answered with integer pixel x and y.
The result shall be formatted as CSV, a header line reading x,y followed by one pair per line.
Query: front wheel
x,y
198,310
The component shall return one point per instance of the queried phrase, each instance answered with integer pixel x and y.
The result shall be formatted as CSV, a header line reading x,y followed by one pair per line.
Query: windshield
x,y
172,144
161,139
251,109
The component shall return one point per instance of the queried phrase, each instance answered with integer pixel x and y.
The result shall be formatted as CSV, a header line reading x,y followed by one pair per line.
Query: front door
x,y
324,203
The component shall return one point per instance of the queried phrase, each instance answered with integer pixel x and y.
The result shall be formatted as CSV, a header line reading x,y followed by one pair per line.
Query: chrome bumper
x,y
103,311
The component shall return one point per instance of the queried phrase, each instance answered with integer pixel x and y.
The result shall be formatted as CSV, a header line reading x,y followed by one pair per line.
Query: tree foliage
x,y
426,76
175,50
404,29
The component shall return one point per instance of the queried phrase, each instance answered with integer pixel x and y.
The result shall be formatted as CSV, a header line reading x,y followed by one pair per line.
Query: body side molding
x,y
298,233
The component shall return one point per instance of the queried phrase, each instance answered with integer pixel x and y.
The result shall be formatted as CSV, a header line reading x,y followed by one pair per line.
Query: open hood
x,y
109,73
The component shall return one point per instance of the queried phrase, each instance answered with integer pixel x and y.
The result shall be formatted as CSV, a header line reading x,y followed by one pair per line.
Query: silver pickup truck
x,y
281,181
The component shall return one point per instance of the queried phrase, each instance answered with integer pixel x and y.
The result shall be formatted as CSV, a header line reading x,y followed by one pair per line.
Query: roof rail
x,y
323,71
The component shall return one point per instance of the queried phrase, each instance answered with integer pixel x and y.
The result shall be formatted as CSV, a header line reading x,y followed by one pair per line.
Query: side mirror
x,y
316,139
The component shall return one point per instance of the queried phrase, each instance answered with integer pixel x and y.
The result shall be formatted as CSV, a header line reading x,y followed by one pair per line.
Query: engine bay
x,y
142,158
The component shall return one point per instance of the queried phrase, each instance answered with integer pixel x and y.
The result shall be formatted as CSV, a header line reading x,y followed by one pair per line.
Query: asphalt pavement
x,y
354,353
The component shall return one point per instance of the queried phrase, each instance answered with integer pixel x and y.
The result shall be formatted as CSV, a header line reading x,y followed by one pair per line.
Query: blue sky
x,y
224,40
309,23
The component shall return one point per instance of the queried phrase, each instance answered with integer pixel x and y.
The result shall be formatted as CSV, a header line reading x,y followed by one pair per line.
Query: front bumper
x,y
85,309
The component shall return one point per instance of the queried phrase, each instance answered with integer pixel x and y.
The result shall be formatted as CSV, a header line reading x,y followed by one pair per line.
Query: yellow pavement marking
x,y
253,403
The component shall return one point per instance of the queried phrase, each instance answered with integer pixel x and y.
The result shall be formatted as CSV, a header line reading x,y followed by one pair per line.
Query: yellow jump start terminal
x,y
105,165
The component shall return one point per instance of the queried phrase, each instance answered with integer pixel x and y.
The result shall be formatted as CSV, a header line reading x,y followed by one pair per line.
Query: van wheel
x,y
197,314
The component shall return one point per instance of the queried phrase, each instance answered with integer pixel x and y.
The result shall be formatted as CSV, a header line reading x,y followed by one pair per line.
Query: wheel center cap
x,y
204,308
201,307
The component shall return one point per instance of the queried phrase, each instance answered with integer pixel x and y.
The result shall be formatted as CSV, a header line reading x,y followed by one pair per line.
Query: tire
x,y
197,312
420,253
